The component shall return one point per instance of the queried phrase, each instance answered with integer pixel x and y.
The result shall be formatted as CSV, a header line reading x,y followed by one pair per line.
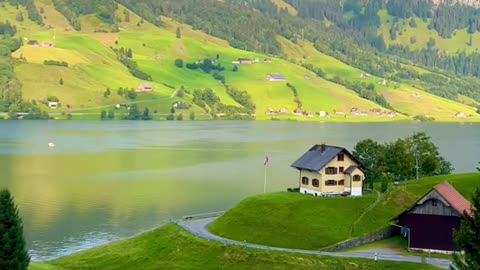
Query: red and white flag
x,y
265,162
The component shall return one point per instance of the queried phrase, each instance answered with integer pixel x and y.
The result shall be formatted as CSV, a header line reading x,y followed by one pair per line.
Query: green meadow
x,y
325,221
170,247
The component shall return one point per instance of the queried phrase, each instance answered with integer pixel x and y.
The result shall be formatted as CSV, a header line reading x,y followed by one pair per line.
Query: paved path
x,y
198,228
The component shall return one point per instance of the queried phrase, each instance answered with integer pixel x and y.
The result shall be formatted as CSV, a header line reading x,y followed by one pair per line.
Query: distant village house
x,y
429,224
338,112
276,77
52,105
144,88
329,170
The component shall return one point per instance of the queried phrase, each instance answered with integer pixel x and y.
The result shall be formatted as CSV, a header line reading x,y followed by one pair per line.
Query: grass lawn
x,y
170,247
397,244
404,195
305,222
292,220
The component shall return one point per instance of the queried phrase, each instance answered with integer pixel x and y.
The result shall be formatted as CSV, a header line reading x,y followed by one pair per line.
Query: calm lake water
x,y
109,180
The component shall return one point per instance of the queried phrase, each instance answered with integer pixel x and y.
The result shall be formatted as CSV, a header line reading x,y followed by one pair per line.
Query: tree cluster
x,y
400,160
7,29
72,9
32,11
243,98
125,57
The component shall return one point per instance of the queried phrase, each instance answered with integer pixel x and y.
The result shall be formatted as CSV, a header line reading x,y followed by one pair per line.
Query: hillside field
x,y
93,67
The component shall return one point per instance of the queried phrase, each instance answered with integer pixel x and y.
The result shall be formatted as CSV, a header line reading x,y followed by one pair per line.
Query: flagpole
x,y
265,180
265,164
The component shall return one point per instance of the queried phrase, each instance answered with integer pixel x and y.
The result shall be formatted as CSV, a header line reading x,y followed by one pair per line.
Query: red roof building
x,y
429,224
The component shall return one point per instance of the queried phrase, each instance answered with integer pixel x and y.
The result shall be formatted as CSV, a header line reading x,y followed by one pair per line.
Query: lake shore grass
x,y
171,247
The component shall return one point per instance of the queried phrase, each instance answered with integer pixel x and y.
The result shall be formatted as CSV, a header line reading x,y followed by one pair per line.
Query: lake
x,y
110,180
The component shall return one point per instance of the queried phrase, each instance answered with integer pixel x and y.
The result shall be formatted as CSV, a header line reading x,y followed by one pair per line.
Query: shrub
x,y
180,117
171,117
179,63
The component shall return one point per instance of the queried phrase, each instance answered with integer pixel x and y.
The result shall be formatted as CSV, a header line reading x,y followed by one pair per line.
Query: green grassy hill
x,y
305,222
421,34
93,67
170,247
404,98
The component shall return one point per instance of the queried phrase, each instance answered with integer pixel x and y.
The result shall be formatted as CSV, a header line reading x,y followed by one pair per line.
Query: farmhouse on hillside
x,y
276,77
143,88
430,222
329,170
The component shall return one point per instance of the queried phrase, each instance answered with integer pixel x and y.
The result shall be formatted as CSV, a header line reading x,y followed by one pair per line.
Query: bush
x,y
171,117
179,63
192,116
55,63
180,117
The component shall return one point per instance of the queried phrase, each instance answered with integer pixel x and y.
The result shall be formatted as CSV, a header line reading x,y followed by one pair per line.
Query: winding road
x,y
198,227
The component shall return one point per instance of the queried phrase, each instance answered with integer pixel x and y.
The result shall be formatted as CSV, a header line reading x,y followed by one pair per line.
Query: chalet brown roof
x,y
451,195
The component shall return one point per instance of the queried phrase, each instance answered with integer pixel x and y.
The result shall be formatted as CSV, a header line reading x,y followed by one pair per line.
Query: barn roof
x,y
455,199
319,156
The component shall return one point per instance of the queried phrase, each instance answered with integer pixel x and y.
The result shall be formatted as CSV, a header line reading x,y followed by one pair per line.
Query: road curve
x,y
198,227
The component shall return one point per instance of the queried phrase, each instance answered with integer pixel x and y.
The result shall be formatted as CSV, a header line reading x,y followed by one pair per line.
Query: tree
x,y
180,117
478,168
111,115
368,152
235,68
192,117
61,81
103,115
181,93
179,63
172,110
179,33
467,238
146,114
13,252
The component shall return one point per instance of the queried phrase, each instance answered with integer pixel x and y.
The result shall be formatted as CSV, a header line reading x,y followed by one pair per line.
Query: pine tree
x,y
13,253
467,238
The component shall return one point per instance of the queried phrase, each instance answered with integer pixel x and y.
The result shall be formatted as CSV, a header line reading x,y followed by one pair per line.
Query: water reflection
x,y
106,181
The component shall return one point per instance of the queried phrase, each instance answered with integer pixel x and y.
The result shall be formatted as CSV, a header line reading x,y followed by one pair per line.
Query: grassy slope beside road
x,y
305,222
170,247
292,220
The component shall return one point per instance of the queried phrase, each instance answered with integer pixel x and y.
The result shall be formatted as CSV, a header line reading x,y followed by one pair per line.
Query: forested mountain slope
x,y
92,55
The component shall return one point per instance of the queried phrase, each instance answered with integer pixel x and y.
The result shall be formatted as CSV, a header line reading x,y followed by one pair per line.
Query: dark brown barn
x,y
430,222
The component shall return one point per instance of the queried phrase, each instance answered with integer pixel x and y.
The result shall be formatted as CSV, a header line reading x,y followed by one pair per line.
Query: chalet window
x,y
341,169
330,183
434,202
305,181
315,183
331,170
340,157
357,178
341,182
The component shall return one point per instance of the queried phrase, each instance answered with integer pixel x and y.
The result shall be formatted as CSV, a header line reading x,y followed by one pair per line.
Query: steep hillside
x,y
92,59
403,97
